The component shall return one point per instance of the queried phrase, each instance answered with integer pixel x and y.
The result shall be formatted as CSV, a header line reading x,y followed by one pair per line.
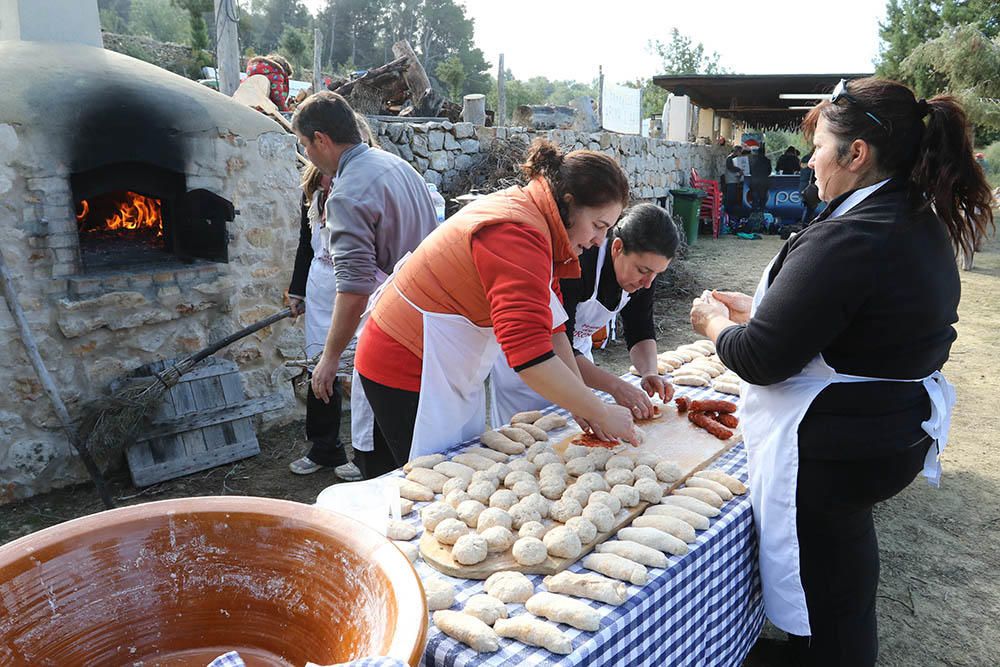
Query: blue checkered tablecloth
x,y
704,609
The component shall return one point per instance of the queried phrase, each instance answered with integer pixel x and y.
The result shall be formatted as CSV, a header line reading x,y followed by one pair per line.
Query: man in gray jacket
x,y
378,210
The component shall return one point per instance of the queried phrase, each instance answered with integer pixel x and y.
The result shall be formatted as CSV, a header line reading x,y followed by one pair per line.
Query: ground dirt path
x,y
939,599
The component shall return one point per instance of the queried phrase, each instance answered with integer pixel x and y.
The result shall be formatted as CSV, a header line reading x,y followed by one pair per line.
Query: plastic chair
x,y
711,205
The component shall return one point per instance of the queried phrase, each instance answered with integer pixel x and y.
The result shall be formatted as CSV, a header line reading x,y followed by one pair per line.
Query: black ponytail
x,y
648,228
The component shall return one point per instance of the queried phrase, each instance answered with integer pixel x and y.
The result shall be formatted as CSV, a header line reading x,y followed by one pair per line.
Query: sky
x,y
570,39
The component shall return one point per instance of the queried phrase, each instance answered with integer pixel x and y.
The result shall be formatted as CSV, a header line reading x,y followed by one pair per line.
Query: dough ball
x,y
600,456
486,608
565,509
667,471
605,498
563,542
552,486
616,476
435,513
538,503
509,587
456,497
503,499
575,452
600,515
649,490
440,594
453,483
405,506
498,470
648,459
584,528
532,529
524,465
469,549
537,449
498,539
485,476
554,469
544,458
469,511
619,461
481,490
515,476
580,465
578,493
449,530
521,514
643,471
493,516
626,494
530,551
409,550
593,481
525,488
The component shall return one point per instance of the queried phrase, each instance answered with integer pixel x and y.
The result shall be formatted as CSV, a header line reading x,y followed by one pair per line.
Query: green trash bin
x,y
687,202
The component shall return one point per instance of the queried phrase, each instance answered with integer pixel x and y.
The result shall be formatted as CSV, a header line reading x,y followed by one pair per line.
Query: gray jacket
x,y
378,210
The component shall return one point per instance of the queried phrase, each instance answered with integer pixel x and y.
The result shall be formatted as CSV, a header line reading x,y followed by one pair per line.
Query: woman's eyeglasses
x,y
840,92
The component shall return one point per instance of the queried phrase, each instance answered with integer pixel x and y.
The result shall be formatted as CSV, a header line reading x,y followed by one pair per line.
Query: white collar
x,y
856,198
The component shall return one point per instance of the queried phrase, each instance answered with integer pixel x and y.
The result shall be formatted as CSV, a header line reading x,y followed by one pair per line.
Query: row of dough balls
x,y
727,383
667,362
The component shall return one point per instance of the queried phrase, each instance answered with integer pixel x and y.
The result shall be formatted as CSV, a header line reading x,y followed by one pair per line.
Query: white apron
x,y
508,392
362,417
321,284
770,419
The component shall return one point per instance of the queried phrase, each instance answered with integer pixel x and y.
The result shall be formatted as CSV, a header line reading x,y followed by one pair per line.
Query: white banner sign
x,y
621,109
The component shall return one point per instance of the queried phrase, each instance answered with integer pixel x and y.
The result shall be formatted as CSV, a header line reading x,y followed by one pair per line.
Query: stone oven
x,y
142,215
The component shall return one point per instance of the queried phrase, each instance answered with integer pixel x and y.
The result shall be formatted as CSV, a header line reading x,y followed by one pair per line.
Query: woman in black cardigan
x,y
841,350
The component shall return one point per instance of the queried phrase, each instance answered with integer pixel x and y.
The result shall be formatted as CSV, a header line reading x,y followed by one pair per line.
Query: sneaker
x,y
348,472
304,466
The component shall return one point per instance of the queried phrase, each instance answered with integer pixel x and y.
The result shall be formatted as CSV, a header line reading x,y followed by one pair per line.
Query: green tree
x,y
196,10
111,21
678,56
452,73
296,46
161,20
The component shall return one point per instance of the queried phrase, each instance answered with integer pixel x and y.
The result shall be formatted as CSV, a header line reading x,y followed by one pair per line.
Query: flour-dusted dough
x,y
643,471
576,492
591,586
553,469
600,515
499,471
485,607
532,529
667,471
616,567
454,483
428,461
695,520
468,629
524,465
409,550
474,461
600,456
545,458
498,539
469,511
648,459
493,516
563,542
537,449
616,476
689,380
400,530
575,452
449,530
628,495
529,630
440,594
704,483
486,476
594,481
470,549
518,434
525,488
509,587
619,461
731,388
565,509
498,457
414,491
539,503
552,486
605,498
528,417
405,506
682,530
481,490
563,609
704,495
649,490
538,434
501,443
734,485
634,551
453,469
456,497
529,551
521,514
654,538
550,422
503,499
584,527
580,465
515,476
692,504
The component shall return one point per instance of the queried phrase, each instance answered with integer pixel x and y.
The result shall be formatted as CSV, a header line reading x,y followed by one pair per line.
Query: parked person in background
x,y
842,347
312,291
482,284
760,179
377,211
788,163
734,176
278,72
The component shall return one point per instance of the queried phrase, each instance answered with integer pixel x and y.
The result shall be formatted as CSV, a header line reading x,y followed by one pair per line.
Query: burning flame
x,y
135,212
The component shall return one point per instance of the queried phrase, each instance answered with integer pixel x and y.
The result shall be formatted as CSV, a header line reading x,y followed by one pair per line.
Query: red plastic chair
x,y
711,205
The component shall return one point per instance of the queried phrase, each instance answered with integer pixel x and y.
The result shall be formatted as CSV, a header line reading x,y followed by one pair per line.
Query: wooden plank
x,y
208,397
219,415
202,461
184,404
232,390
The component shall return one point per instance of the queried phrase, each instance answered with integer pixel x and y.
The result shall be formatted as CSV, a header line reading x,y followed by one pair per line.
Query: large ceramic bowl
x,y
179,582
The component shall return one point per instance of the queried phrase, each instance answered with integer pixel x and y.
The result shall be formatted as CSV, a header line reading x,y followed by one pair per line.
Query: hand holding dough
x,y
529,630
563,609
468,629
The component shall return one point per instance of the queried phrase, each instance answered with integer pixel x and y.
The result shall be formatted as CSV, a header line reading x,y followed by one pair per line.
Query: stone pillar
x,y
726,129
75,21
706,123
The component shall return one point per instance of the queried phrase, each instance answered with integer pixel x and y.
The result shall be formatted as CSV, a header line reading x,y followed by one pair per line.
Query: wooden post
x,y
501,118
600,96
317,60
227,48
474,109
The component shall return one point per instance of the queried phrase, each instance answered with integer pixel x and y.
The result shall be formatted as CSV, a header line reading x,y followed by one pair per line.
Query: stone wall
x,y
174,57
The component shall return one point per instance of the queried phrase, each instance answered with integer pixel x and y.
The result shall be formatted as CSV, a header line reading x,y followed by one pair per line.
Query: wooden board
x,y
671,437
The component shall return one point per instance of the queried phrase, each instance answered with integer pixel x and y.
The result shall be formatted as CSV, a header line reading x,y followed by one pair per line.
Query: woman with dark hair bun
x,y
616,277
483,283
841,350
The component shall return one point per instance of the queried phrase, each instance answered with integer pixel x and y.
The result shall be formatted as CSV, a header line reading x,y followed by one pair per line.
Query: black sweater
x,y
876,292
637,315
303,255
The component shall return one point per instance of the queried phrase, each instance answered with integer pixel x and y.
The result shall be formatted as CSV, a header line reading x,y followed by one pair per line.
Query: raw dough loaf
x,y
692,504
525,488
503,499
645,458
616,476
428,461
575,452
529,551
515,476
638,553
550,422
493,516
668,524
649,490
605,498
619,461
553,469
454,483
532,529
498,539
409,550
498,457
599,456
643,471
689,380
730,388
474,461
704,495
591,586
456,497
481,490
704,483
486,476
542,459
501,443
734,485
536,449
628,496
600,515
440,594
414,491
580,494
616,567
524,465
449,530
537,433
521,514
499,471
469,511
563,542
400,530
579,465
695,520
593,481
667,471
530,630
468,629
563,609
528,417
470,549
405,506
538,503
552,486
509,586
565,509
654,538
452,469
584,528
518,434
485,607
